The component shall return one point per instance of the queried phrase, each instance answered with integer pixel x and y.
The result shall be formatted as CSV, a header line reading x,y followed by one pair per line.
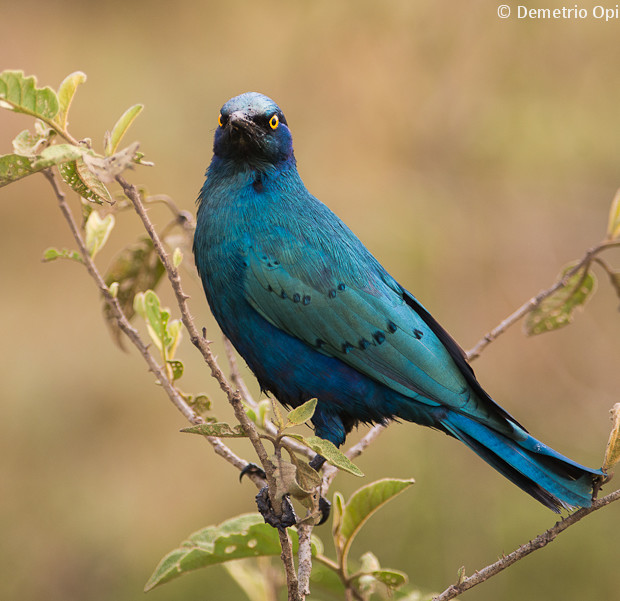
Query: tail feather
x,y
554,480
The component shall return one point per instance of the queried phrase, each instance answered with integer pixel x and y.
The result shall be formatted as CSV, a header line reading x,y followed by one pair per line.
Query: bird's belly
x,y
295,372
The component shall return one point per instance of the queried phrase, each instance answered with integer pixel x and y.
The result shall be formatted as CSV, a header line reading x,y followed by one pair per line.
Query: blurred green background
x,y
475,156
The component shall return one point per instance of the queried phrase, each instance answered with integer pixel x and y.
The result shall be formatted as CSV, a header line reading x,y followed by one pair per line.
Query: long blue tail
x,y
549,477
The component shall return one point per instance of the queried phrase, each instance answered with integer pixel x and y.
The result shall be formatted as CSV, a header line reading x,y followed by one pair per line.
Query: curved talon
x,y
265,508
325,508
251,469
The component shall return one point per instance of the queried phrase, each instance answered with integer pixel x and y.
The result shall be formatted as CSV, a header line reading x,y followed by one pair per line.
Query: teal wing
x,y
371,326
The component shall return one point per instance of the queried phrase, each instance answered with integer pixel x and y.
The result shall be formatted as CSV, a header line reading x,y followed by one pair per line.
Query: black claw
x,y
288,517
317,462
325,508
251,469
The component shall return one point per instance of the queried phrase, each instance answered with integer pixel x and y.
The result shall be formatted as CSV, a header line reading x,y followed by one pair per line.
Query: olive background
x,y
475,156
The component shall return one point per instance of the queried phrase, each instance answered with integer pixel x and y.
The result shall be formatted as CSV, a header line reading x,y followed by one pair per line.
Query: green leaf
x,y
301,414
15,166
557,310
327,449
338,504
83,181
51,254
177,257
121,126
219,429
20,94
97,232
28,144
363,503
199,403
175,332
65,94
613,225
136,268
240,537
177,368
393,579
612,452
147,304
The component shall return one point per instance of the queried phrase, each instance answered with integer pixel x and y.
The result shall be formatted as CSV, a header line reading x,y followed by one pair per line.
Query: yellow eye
x,y
219,120
274,122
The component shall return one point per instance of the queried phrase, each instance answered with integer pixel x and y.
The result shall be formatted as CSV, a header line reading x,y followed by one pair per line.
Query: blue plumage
x,y
314,314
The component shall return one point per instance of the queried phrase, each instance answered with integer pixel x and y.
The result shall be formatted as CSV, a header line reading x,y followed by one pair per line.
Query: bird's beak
x,y
239,121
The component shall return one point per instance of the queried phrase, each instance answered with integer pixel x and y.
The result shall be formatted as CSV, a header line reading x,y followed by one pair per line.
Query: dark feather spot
x,y
379,336
364,344
269,288
391,326
283,294
319,343
332,293
418,333
296,297
341,287
346,347
306,300
257,184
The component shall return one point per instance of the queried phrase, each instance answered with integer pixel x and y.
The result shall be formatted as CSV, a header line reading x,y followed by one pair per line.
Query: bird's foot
x,y
316,463
286,519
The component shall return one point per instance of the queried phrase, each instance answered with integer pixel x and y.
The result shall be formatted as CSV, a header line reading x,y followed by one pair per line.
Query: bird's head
x,y
252,130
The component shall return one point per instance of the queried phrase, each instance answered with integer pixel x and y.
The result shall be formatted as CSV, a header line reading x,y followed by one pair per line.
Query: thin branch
x,y
233,395
535,301
304,557
116,309
542,540
123,323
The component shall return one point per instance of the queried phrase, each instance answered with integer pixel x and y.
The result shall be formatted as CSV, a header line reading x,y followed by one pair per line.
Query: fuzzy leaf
x,y
136,268
28,144
106,169
20,94
301,414
97,232
121,126
327,449
199,403
243,536
15,166
177,368
612,452
52,254
393,579
363,503
557,310
65,94
219,429
83,181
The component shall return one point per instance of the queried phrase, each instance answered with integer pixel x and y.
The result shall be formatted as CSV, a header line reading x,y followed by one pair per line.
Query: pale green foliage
x,y
243,536
97,232
612,452
557,310
121,126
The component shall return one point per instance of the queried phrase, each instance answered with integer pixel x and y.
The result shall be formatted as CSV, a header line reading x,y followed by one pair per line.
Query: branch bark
x,y
542,540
